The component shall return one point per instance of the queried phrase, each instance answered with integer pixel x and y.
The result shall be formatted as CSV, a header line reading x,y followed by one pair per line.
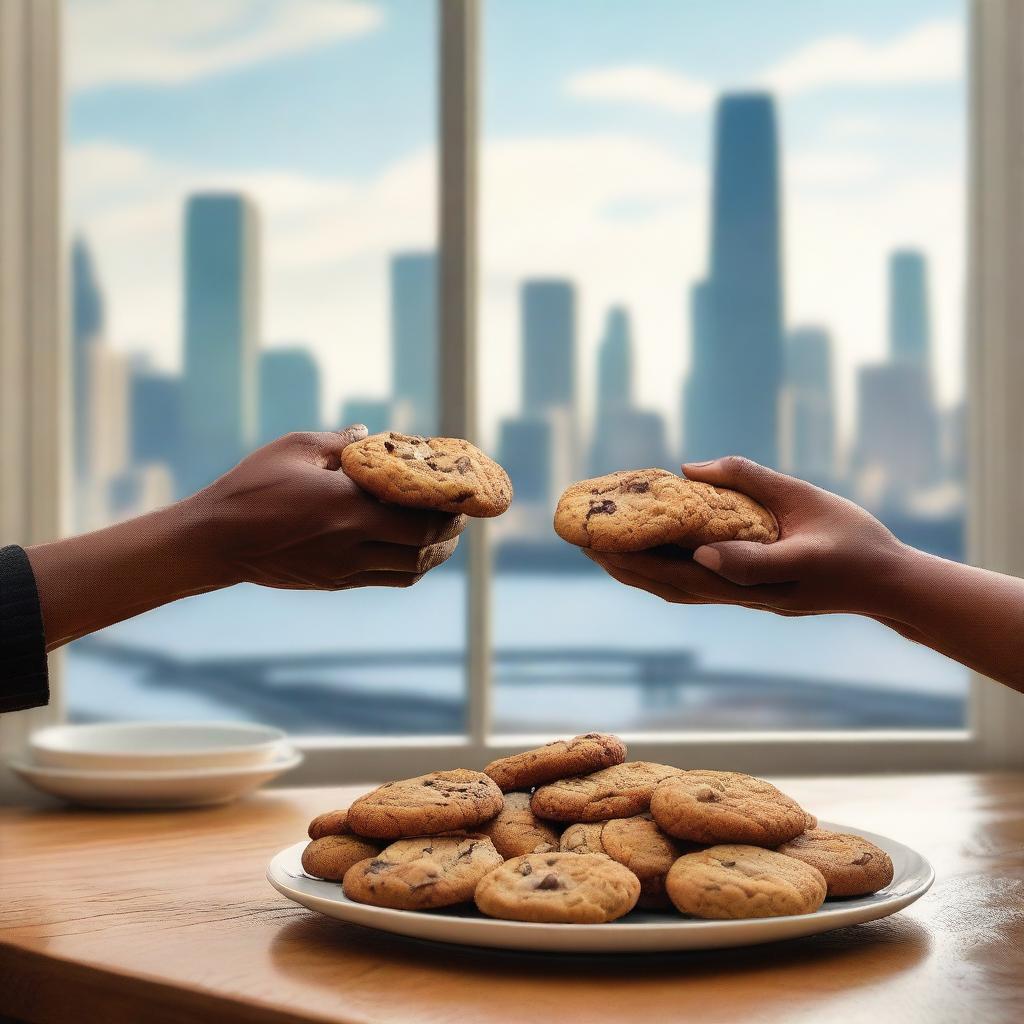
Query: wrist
x,y
189,535
889,580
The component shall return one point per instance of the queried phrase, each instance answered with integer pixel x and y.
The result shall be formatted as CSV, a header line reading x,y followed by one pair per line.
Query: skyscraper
x,y
221,334
909,327
86,332
549,345
808,406
415,354
155,417
699,423
373,413
289,392
615,362
740,384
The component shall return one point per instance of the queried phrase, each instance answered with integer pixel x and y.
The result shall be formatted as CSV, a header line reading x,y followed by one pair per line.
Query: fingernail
x,y
709,558
707,462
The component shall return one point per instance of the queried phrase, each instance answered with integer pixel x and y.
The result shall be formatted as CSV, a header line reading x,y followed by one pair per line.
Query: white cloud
x,y
931,52
643,84
116,41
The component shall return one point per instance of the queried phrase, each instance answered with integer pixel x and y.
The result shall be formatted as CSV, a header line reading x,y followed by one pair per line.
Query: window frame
x,y
35,377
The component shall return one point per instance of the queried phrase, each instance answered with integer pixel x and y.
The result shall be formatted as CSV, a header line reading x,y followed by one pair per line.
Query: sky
x,y
596,141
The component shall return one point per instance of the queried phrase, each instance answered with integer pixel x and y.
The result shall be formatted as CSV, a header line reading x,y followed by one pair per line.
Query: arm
x,y
833,556
283,517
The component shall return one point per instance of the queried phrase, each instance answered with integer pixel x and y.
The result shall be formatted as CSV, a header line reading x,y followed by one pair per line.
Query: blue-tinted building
x,y
549,345
525,450
415,354
909,327
699,423
156,417
810,419
221,334
289,392
373,413
86,331
741,382
615,362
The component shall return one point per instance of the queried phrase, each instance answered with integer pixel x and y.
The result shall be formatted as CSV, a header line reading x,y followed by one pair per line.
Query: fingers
x,y
400,580
749,564
324,447
774,490
376,556
412,527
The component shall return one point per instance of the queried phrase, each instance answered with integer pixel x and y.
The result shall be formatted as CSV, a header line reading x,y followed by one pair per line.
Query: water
x,y
556,612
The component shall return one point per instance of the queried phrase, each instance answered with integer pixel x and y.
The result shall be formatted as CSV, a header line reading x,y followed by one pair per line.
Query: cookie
x,y
644,508
563,888
428,804
850,865
517,830
726,807
331,823
617,792
636,843
443,473
578,756
734,881
423,873
331,856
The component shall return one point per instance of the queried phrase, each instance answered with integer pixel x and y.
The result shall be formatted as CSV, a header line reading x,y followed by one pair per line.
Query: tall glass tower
x,y
741,382
615,363
415,356
289,392
549,345
908,307
221,334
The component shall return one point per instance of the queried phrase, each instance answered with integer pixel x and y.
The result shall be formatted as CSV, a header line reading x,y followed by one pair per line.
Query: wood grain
x,y
167,917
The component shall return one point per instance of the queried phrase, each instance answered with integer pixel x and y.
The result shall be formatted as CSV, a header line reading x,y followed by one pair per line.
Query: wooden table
x,y
128,917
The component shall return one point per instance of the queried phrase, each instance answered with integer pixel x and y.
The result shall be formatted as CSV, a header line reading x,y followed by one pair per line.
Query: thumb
x,y
774,490
748,563
326,446
343,438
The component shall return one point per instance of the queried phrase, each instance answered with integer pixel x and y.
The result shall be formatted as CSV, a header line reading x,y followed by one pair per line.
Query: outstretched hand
x,y
831,555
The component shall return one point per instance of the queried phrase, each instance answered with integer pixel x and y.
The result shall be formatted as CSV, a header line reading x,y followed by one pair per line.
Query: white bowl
x,y
197,787
156,746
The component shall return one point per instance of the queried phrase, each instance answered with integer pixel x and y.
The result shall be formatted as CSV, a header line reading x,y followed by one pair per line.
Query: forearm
x,y
92,581
971,615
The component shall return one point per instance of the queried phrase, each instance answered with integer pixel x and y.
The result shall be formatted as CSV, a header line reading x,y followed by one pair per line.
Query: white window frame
x,y
34,377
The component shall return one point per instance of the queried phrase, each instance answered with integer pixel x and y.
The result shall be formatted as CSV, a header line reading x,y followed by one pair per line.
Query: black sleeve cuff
x,y
24,679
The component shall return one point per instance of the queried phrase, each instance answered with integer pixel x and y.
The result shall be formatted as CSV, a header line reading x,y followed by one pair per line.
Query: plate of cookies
x,y
540,847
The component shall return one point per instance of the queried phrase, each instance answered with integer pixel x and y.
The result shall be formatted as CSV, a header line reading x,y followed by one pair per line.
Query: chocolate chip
x,y
388,446
727,863
462,463
549,882
601,508
375,867
432,465
637,487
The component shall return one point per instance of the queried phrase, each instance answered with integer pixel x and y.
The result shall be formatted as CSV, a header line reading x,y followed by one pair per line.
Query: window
x,y
713,229
554,120
251,189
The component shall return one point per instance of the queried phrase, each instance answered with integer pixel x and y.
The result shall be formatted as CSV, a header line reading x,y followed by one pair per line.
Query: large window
x,y
251,189
714,228
704,228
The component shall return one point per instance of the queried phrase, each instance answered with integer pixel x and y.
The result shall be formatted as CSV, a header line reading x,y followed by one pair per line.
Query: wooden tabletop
x,y
167,917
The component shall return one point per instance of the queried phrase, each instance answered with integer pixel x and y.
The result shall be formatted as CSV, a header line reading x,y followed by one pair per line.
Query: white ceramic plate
x,y
197,787
638,932
156,746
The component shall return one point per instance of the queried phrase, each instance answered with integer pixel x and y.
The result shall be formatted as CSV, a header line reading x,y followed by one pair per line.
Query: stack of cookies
x,y
572,832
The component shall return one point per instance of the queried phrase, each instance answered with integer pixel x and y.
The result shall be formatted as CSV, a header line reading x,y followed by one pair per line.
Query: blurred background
x,y
705,228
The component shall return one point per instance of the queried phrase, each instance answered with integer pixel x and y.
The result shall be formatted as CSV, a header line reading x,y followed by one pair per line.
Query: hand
x,y
288,517
831,555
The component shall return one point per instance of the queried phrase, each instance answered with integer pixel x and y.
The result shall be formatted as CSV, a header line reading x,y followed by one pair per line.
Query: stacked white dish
x,y
155,764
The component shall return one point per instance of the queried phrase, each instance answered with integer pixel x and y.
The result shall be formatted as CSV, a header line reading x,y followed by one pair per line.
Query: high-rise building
x,y
373,413
549,346
615,362
415,354
289,392
155,405
741,382
808,407
909,327
221,334
699,424
525,449
86,332
631,438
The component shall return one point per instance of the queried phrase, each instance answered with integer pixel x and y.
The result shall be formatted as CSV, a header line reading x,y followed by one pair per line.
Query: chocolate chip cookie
x,y
733,881
330,823
428,804
444,473
331,856
423,873
617,792
517,830
644,508
557,760
636,843
726,807
563,888
850,864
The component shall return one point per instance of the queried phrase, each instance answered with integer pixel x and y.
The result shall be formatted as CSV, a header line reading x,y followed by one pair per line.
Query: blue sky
x,y
597,119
